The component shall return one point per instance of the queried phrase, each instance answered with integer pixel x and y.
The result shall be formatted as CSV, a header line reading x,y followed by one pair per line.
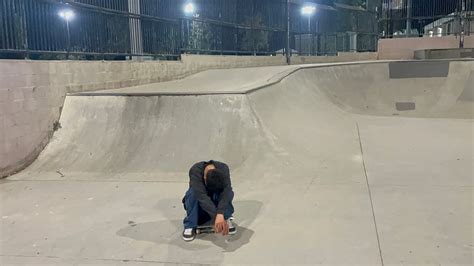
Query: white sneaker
x,y
189,234
232,229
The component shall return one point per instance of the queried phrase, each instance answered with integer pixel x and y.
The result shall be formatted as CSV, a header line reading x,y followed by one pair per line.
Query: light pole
x,y
67,15
189,11
308,11
288,48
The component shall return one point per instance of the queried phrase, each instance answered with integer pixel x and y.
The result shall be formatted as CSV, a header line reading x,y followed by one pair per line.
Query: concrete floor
x,y
326,170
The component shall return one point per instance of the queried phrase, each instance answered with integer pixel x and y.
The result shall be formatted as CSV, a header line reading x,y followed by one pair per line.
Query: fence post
x,y
462,20
102,41
68,40
287,50
135,25
252,31
25,28
222,40
408,29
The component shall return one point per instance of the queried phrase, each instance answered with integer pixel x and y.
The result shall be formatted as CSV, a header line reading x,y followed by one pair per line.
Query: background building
x,y
431,18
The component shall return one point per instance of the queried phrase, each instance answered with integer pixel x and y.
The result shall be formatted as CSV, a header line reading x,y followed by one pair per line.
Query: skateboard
x,y
205,229
208,228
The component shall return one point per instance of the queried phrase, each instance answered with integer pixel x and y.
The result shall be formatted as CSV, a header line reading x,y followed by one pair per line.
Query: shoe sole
x,y
188,239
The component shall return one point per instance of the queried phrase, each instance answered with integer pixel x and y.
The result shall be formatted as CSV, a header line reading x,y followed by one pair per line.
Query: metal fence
x,y
335,28
119,29
426,18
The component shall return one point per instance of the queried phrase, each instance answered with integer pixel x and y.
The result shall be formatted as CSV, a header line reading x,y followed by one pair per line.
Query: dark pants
x,y
195,215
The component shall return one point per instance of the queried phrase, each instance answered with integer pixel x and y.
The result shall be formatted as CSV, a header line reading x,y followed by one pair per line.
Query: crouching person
x,y
208,199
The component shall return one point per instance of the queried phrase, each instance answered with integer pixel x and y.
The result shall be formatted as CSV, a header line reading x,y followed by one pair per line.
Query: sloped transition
x,y
296,127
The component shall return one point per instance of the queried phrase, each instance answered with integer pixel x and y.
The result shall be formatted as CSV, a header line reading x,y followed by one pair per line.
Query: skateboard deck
x,y
207,228
203,229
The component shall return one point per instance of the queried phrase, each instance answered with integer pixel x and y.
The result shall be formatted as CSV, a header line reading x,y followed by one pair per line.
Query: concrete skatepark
x,y
333,164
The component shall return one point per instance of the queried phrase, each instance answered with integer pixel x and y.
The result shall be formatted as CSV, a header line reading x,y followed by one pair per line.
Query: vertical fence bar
x,y
288,48
136,39
408,20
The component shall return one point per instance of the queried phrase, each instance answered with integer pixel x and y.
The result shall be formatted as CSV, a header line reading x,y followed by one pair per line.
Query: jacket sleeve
x,y
226,193
196,183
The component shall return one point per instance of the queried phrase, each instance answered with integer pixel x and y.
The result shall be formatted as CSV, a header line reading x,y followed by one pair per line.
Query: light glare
x,y
308,10
189,8
67,14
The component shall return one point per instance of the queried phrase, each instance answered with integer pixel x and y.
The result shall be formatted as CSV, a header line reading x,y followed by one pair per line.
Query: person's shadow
x,y
169,230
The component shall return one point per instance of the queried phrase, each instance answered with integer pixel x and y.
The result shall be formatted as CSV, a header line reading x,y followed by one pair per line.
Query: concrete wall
x,y
342,57
32,92
404,48
444,53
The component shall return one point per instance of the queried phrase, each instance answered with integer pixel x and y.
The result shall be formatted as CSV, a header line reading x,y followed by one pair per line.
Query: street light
x,y
308,11
67,15
189,8
189,11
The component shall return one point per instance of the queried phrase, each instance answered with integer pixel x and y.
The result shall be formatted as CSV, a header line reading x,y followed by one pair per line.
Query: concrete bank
x,y
32,92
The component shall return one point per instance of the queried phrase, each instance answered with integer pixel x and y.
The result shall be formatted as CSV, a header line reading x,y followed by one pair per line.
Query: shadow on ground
x,y
168,232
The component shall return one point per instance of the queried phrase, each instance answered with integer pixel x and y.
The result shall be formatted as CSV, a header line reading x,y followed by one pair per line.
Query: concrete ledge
x,y
404,48
444,53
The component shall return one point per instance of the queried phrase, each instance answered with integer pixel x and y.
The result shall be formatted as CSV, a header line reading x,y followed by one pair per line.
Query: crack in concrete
x,y
370,195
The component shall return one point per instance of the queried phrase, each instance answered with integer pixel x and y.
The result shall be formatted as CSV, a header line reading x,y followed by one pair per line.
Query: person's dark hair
x,y
215,181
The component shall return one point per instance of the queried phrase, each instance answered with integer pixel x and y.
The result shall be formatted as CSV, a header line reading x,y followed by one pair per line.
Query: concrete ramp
x,y
105,137
110,136
366,164
414,89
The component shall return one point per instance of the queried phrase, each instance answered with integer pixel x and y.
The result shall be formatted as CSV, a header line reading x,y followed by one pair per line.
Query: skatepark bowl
x,y
333,164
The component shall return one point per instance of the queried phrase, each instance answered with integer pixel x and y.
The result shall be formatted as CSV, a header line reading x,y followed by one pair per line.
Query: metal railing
x,y
159,29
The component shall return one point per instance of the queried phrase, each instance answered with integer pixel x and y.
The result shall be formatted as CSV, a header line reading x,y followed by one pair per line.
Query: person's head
x,y
215,180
